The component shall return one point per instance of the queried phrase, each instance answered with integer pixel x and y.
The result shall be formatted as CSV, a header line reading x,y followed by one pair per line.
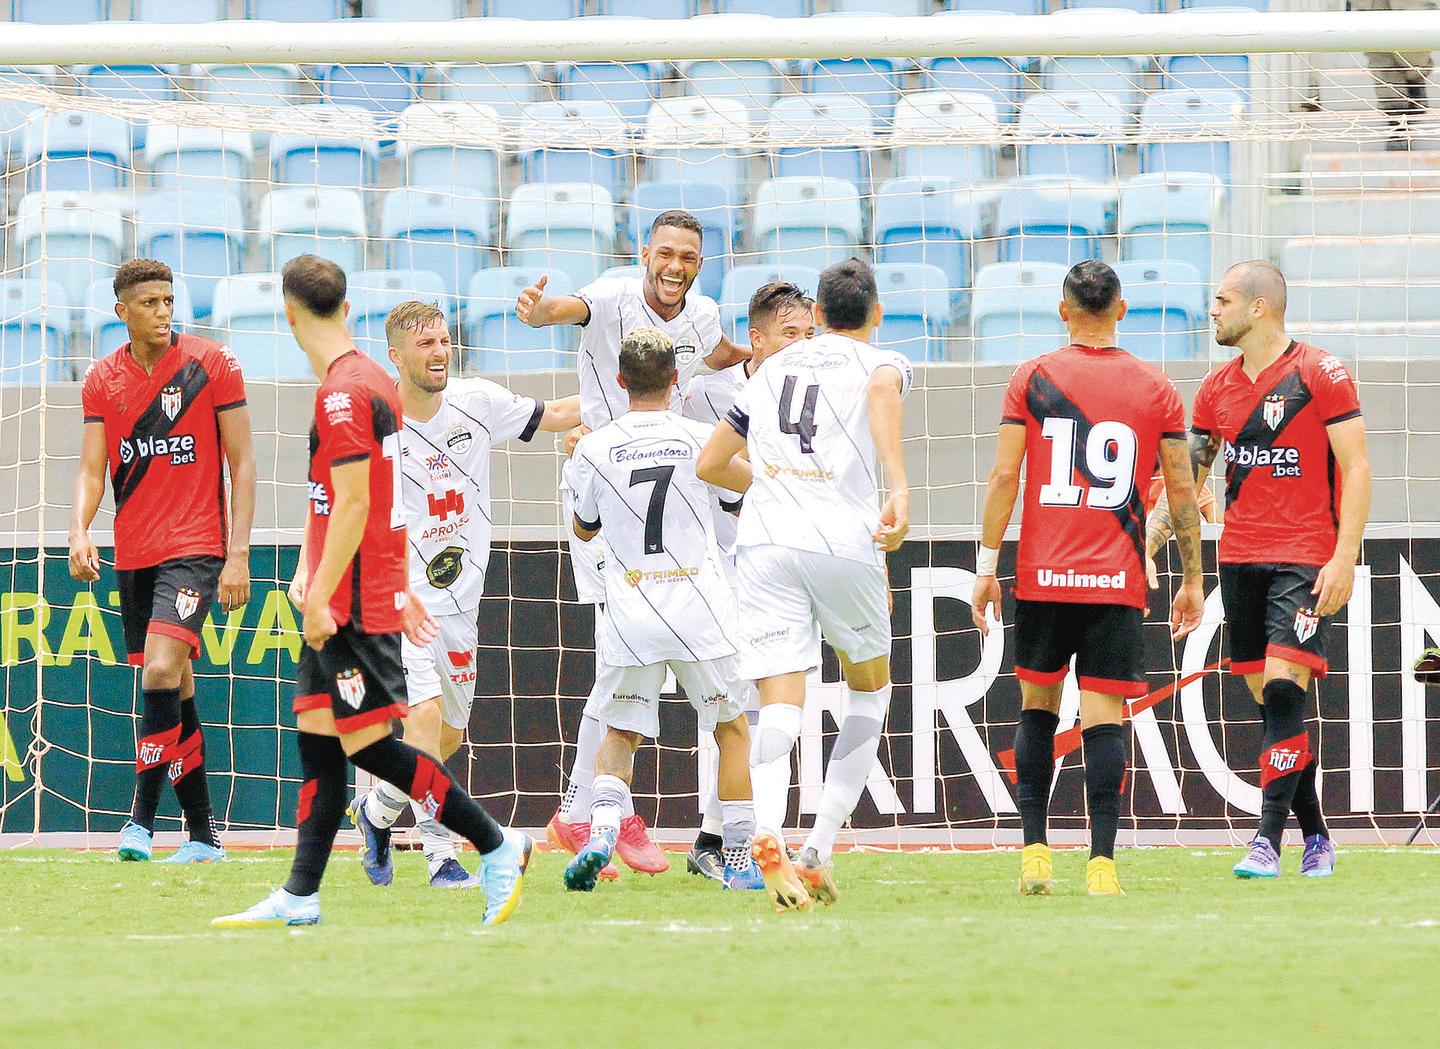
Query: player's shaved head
x,y
647,362
1259,279
1092,287
314,284
139,271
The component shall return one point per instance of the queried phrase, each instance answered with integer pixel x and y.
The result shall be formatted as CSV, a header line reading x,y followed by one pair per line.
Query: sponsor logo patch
x,y
319,499
1071,578
350,684
439,466
1274,410
1307,621
1282,461
180,448
1334,370
186,602
445,567
337,407
452,502
665,575
651,451
170,402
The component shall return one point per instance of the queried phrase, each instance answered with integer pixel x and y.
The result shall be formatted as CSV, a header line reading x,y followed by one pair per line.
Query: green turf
x,y
921,950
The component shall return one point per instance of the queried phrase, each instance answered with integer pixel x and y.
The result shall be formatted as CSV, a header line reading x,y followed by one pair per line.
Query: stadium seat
x,y
249,317
329,222
563,226
437,231
340,152
1015,314
628,86
106,332
384,90
179,10
413,10
873,81
1209,72
1203,5
456,145
294,10
84,152
1119,75
1369,279
531,8
34,331
130,83
756,82
75,238
1202,112
263,85
1071,114
778,8
567,142
198,233
916,298
60,12
709,202
1167,318
998,78
14,115
700,139
1139,7
508,89
939,115
1044,220
986,7
801,125
929,221
744,281
374,293
800,221
901,8
1170,217
632,271
647,8
495,339
198,157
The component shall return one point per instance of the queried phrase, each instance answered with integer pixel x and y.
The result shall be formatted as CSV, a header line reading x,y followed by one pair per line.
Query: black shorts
x,y
170,598
1103,639
1270,611
359,677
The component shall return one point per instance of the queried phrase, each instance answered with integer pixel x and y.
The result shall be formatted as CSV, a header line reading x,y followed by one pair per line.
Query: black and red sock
x,y
1034,771
187,776
1284,755
1104,779
428,782
319,812
154,750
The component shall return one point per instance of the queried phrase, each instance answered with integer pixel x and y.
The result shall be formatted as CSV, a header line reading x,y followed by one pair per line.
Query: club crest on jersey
x,y
685,350
351,686
445,567
458,439
170,402
186,602
1274,410
1307,621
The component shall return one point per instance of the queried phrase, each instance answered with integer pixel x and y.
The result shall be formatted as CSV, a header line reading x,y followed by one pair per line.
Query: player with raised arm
x,y
666,604
161,412
1297,495
1089,422
350,682
811,545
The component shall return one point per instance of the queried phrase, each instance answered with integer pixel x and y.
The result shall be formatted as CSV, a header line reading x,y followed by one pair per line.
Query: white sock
x,y
854,756
608,807
384,804
737,833
438,843
775,734
714,819
575,806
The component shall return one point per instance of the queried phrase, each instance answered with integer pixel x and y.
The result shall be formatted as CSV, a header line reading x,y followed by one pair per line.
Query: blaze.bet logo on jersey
x,y
180,448
1282,461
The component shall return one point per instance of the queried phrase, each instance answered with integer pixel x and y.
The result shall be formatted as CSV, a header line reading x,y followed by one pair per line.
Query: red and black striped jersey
x,y
162,440
1094,419
1282,490
358,416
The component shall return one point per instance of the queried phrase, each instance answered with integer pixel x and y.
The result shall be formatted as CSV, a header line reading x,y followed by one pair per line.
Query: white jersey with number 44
x,y
805,417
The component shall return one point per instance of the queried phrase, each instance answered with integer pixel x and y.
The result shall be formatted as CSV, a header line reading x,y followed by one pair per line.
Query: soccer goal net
x,y
971,155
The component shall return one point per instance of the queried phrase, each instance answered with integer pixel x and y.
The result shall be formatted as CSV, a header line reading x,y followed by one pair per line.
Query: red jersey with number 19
x,y
1094,419
358,416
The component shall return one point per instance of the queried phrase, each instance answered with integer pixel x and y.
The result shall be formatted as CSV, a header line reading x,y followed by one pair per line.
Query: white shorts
x,y
444,668
629,697
785,593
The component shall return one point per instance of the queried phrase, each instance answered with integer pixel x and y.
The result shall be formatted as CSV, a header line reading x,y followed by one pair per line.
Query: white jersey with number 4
x,y
805,417
665,596
445,488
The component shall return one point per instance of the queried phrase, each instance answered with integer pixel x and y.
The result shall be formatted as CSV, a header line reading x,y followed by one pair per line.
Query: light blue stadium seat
x,y
579,141
1208,112
1120,75
384,90
987,7
1071,114
106,332
929,221
901,8
14,115
325,221
374,293
708,140
562,226
76,238
199,234
873,81
413,10
1139,7
778,8
437,231
262,85
709,202
294,10
1205,5
754,82
496,341
632,271
249,317
60,12
508,89
179,10
1015,313
1044,220
802,221
916,298
344,155
84,152
451,144
531,8
1170,217
34,331
744,281
800,127
198,157
648,8
1166,319
940,115
131,83
998,78
1209,72
628,86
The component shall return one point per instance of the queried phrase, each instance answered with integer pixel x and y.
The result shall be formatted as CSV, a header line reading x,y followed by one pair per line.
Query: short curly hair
x,y
140,271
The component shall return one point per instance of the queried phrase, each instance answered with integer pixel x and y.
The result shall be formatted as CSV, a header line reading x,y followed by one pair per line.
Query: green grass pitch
x,y
921,950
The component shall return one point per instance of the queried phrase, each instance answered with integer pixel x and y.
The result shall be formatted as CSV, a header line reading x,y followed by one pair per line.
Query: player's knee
x,y
733,733
1277,669
162,671
450,739
422,727
869,676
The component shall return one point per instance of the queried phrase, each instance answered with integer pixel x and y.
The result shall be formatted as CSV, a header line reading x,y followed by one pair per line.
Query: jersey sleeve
x,y
1202,415
603,298
92,396
1172,412
901,363
707,327
1014,408
738,417
582,480
1336,396
343,424
228,379
509,414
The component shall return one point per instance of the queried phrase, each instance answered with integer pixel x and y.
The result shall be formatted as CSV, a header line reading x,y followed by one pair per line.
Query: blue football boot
x,y
279,908
136,843
503,875
451,875
583,871
196,852
1261,862
375,856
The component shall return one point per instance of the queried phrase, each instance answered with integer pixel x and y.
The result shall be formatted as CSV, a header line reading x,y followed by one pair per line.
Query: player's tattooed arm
x,y
1161,524
1183,514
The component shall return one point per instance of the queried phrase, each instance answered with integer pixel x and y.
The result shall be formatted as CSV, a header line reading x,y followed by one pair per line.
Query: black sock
x,y
704,840
428,782
187,776
1306,805
319,812
159,732
1104,776
1034,769
1284,753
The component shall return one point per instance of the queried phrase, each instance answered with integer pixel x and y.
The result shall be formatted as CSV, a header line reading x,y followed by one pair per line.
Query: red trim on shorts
x,y
1318,664
311,701
366,718
135,659
178,632
1042,677
1110,687
1248,666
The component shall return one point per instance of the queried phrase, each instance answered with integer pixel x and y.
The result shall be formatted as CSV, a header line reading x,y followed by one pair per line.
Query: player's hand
x,y
1333,585
529,299
234,583
417,622
318,626
84,560
1186,610
572,438
296,593
1152,574
985,596
894,522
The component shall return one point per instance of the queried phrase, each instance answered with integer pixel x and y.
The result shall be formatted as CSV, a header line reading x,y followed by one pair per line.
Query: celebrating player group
x,y
726,512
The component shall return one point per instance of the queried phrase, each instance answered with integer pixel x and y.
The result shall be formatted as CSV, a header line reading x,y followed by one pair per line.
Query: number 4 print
x,y
1110,453
804,427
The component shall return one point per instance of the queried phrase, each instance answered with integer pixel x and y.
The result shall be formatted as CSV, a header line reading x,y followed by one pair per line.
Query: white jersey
x,y
665,596
708,397
805,417
617,305
445,488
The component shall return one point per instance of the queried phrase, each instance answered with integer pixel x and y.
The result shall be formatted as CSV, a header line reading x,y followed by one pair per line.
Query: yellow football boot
x,y
1101,878
1036,870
